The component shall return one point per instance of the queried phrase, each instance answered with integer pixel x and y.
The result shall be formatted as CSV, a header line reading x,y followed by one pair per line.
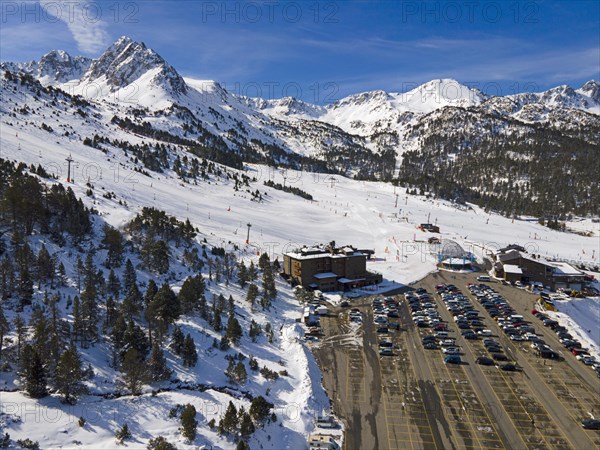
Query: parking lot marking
x,y
471,429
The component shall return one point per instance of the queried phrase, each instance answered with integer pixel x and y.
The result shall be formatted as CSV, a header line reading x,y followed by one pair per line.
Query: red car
x,y
579,351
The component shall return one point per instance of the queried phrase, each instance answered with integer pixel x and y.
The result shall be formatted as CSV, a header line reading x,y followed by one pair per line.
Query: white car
x,y
451,350
484,332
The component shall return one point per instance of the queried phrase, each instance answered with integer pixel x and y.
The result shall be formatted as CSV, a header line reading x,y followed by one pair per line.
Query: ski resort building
x,y
515,264
328,268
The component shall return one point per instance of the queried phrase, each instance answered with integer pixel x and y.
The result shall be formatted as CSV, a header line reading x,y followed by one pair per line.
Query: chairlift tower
x,y
248,235
69,161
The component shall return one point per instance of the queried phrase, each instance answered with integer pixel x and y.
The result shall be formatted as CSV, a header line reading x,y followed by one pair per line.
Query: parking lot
x,y
397,384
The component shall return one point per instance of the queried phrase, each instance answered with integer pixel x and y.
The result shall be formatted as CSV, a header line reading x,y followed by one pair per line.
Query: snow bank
x,y
582,318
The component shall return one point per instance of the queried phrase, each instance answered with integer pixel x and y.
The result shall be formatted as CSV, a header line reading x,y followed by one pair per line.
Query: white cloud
x,y
84,20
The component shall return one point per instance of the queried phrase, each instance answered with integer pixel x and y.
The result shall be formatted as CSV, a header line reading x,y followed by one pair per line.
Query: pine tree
x,y
7,278
62,274
118,332
255,330
151,291
166,309
224,344
264,261
240,373
178,340
221,303
160,257
69,375
25,286
191,292
111,314
129,276
55,341
80,272
269,290
246,425
217,324
189,354
123,434
189,423
234,330
114,284
160,443
134,371
242,445
90,268
253,363
276,265
89,311
114,243
230,304
260,409
229,423
132,304
135,338
252,294
230,371
45,265
35,377
242,275
252,272
41,333
4,329
77,320
20,328
157,364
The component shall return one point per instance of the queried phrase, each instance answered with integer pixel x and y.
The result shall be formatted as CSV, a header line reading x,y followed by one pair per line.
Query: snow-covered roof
x,y
511,268
348,280
316,252
323,275
561,268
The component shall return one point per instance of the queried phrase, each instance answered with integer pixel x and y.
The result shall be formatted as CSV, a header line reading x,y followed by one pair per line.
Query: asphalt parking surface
x,y
413,400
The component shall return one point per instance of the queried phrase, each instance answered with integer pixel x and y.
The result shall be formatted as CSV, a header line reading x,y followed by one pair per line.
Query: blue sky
x,y
322,51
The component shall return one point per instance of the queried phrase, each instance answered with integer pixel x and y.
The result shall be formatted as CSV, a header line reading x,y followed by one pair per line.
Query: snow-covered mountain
x,y
127,62
363,135
130,74
54,67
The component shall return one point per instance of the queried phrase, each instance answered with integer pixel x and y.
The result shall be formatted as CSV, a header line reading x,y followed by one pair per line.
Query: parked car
x,y
386,351
451,350
508,367
494,349
499,357
591,424
452,359
484,361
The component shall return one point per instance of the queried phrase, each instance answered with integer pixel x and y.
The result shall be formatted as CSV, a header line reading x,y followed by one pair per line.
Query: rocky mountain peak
x,y
126,61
